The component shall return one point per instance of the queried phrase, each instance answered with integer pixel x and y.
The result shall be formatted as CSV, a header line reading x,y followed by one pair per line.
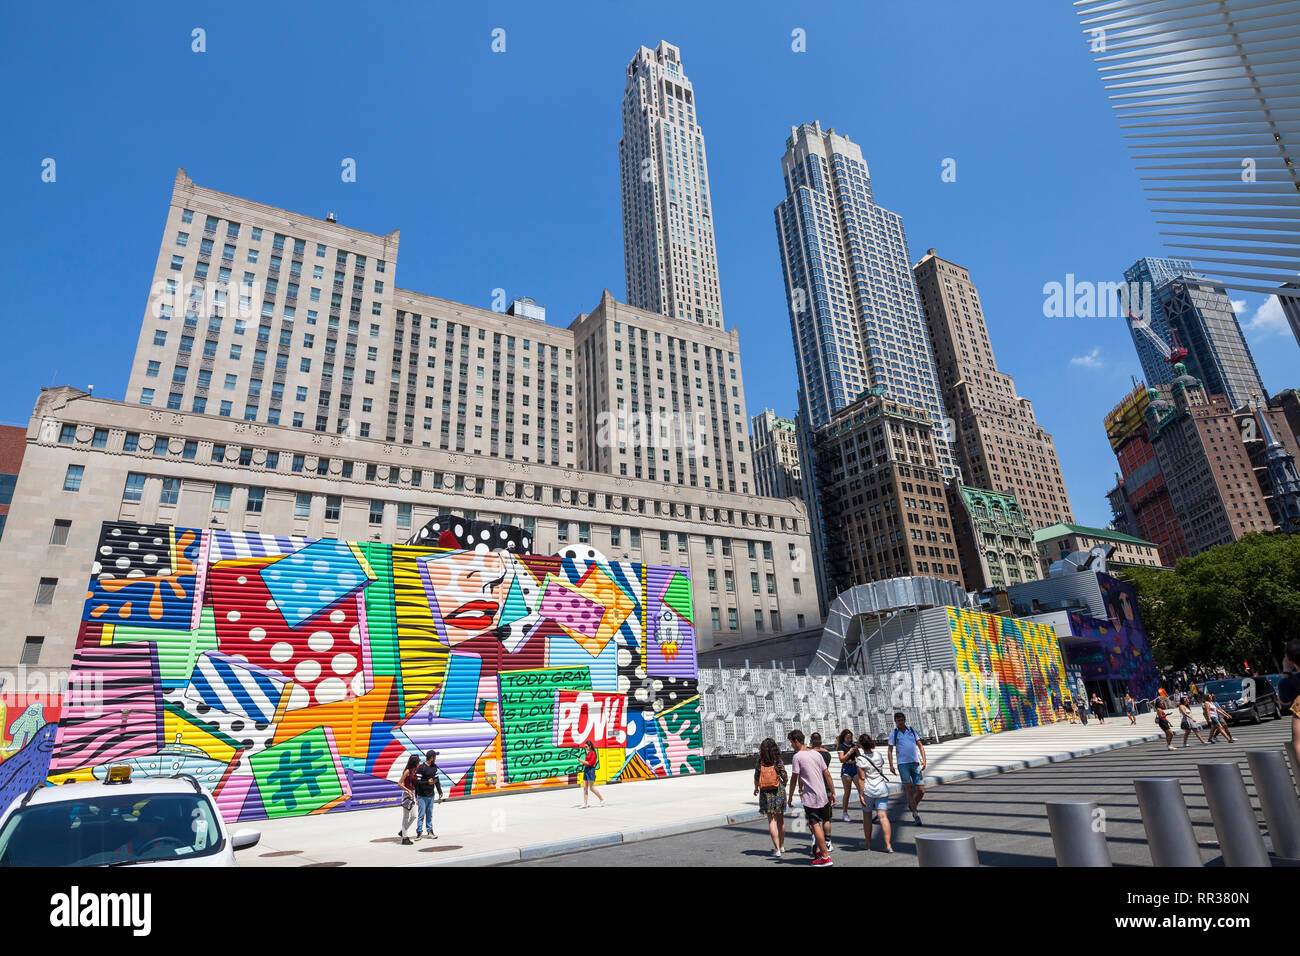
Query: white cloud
x,y
1239,306
1092,360
1268,319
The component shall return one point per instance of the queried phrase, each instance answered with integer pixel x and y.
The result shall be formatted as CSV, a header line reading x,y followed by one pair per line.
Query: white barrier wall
x,y
741,706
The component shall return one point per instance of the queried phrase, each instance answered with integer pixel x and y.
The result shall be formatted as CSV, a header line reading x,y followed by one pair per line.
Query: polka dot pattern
x,y
322,656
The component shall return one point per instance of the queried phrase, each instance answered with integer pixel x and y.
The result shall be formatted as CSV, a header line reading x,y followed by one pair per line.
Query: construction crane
x,y
1173,354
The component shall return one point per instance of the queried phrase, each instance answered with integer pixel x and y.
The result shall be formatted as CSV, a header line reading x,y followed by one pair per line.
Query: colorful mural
x,y
1116,649
292,676
27,726
1013,671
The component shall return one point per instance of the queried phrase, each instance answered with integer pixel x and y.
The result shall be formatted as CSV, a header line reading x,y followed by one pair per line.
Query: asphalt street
x,y
1005,813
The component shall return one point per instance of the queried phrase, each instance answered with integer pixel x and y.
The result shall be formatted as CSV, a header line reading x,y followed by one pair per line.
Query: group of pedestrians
x,y
1187,723
421,787
861,768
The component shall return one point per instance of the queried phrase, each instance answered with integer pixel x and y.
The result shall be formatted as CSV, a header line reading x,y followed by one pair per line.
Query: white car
x,y
164,821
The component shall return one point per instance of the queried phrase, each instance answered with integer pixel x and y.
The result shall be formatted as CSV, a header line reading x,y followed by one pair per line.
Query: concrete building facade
x,y
89,460
297,321
775,444
997,441
668,243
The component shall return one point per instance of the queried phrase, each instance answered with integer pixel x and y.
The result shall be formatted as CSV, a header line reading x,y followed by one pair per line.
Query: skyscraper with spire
x,y
668,245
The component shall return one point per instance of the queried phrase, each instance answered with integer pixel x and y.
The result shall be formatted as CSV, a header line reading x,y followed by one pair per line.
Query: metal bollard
x,y
1169,828
1077,840
1234,817
1277,798
946,849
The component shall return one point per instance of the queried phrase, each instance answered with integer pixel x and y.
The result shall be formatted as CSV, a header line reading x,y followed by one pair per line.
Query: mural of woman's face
x,y
469,587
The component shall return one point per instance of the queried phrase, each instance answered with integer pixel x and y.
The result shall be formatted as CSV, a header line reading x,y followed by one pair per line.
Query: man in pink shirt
x,y
812,773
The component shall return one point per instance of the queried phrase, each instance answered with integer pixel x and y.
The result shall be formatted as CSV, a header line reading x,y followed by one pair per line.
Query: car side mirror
x,y
244,839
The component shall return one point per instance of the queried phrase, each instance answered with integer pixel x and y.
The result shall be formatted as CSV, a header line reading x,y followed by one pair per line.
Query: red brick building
x,y
13,442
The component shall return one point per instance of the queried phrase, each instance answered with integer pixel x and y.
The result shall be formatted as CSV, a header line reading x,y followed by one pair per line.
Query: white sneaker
x,y
845,817
830,848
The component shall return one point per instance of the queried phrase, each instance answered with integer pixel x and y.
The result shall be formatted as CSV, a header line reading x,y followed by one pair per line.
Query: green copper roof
x,y
1060,530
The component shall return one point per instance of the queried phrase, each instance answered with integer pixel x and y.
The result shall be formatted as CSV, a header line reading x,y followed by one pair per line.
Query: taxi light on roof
x,y
119,774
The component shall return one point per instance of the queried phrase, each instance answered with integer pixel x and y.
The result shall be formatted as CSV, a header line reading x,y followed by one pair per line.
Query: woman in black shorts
x,y
849,772
1162,721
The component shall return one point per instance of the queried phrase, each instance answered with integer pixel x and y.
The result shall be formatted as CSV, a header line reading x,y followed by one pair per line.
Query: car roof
x,y
142,786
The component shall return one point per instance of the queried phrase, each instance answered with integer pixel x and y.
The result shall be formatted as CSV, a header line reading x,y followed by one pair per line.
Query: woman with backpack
x,y
589,759
407,783
871,775
769,786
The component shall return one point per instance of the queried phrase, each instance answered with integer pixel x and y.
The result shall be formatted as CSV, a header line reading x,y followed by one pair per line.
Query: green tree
x,y
1232,603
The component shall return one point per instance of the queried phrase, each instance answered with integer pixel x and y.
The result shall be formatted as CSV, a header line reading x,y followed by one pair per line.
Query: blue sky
x,y
501,169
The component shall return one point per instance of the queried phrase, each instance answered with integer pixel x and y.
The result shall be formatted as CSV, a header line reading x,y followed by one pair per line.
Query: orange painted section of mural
x,y
294,676
1012,671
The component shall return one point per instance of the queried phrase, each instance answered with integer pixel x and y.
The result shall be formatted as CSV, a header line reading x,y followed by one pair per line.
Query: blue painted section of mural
x,y
1117,648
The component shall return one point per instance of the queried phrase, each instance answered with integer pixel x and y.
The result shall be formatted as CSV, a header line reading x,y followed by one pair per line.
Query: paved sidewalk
x,y
492,830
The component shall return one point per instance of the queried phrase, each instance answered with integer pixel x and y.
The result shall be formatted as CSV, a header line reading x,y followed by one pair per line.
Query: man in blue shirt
x,y
910,766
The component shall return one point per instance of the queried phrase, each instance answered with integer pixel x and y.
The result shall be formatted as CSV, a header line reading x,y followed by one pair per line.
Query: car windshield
x,y
121,828
1229,689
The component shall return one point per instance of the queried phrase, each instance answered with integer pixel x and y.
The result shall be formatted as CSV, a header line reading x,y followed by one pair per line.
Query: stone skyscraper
x,y
668,246
996,439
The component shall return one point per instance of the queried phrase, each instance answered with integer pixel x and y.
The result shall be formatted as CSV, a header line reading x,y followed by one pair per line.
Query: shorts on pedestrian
x,y
878,804
849,773
911,773
772,801
817,814
1163,724
589,774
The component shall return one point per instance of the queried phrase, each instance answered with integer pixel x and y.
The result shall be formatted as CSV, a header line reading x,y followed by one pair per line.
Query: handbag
x,y
767,778
877,781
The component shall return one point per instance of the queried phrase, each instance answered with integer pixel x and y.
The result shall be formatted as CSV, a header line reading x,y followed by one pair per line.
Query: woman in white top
x,y
1188,724
871,769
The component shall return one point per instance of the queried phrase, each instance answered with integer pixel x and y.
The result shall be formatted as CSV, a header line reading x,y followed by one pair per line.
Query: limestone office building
x,y
283,383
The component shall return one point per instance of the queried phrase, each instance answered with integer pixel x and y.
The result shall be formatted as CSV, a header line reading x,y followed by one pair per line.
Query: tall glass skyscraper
x,y
668,247
1153,275
855,315
1201,314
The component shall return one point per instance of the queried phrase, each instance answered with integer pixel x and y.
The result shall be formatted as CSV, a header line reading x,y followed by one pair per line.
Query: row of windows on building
x,y
189,451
